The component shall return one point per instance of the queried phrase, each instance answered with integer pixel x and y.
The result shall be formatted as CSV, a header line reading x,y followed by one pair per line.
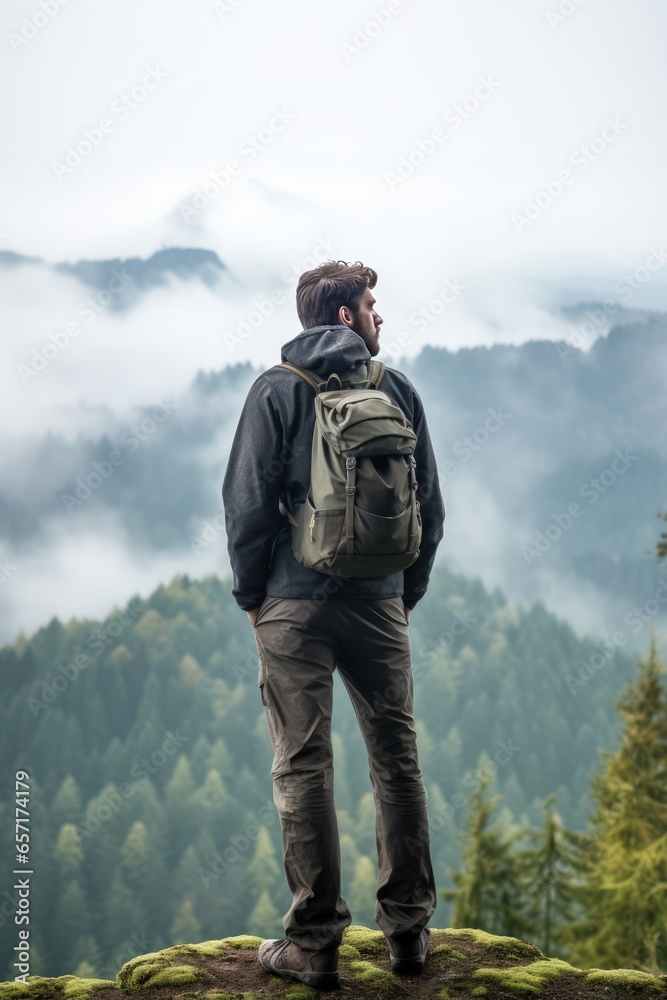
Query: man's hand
x,y
252,615
407,613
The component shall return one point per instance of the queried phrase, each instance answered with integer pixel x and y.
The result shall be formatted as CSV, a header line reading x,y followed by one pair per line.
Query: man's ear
x,y
345,317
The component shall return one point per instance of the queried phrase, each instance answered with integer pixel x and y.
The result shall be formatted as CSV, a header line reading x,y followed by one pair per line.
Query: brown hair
x,y
321,292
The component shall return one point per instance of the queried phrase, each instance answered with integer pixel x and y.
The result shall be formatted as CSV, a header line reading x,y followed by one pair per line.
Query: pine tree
x,y
661,546
625,871
488,893
362,891
264,921
186,929
263,870
548,871
66,805
69,916
86,957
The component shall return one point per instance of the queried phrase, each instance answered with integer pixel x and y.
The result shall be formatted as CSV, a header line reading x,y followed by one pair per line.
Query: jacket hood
x,y
326,349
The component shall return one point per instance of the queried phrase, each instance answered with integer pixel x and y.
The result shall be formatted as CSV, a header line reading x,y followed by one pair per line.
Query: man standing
x,y
308,624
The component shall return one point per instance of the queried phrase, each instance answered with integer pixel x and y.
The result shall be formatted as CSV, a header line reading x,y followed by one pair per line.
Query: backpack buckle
x,y
350,463
351,490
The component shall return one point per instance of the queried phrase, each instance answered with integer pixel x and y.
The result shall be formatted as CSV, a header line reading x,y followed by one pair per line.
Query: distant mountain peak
x,y
184,263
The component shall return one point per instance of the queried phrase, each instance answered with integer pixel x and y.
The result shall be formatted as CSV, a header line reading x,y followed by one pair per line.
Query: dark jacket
x,y
269,461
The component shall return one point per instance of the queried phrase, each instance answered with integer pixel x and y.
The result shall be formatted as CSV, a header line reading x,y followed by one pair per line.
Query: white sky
x,y
227,69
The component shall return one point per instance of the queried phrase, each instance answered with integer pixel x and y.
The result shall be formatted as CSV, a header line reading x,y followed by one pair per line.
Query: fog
x,y
500,166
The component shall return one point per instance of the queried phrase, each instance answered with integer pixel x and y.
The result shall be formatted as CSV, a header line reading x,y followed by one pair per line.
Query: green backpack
x,y
361,515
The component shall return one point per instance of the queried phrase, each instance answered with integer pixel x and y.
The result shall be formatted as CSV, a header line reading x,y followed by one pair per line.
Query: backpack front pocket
x,y
376,535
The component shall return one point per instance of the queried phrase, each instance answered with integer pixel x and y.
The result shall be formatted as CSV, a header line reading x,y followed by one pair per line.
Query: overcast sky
x,y
357,87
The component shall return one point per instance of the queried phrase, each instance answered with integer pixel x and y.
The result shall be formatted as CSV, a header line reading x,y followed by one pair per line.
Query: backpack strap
x,y
375,373
309,377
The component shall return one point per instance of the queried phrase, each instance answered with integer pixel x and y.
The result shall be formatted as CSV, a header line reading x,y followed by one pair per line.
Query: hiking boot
x,y
408,953
315,968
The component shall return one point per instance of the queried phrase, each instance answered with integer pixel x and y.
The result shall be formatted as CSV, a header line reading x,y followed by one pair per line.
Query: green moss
x,y
242,941
80,989
366,972
479,991
299,993
157,969
444,949
175,975
348,951
445,993
61,987
215,949
34,989
522,979
510,946
135,972
366,941
625,977
14,991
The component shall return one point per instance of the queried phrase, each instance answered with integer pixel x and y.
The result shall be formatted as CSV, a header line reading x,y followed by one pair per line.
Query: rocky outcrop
x,y
462,962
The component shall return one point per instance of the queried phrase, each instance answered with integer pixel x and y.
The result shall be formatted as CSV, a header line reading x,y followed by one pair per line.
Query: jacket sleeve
x,y
250,495
432,507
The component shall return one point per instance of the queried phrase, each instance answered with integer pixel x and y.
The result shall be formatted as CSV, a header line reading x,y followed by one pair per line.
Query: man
x,y
307,624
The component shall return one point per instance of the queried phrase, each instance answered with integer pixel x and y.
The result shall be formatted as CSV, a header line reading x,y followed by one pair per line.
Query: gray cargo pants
x,y
300,643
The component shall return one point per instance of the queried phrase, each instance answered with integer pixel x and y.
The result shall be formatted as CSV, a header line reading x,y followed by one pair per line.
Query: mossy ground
x,y
462,962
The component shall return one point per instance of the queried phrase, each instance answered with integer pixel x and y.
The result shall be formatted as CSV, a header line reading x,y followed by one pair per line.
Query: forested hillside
x,y
152,819
552,460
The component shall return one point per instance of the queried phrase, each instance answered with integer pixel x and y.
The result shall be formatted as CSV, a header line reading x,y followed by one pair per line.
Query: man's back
x,y
270,462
